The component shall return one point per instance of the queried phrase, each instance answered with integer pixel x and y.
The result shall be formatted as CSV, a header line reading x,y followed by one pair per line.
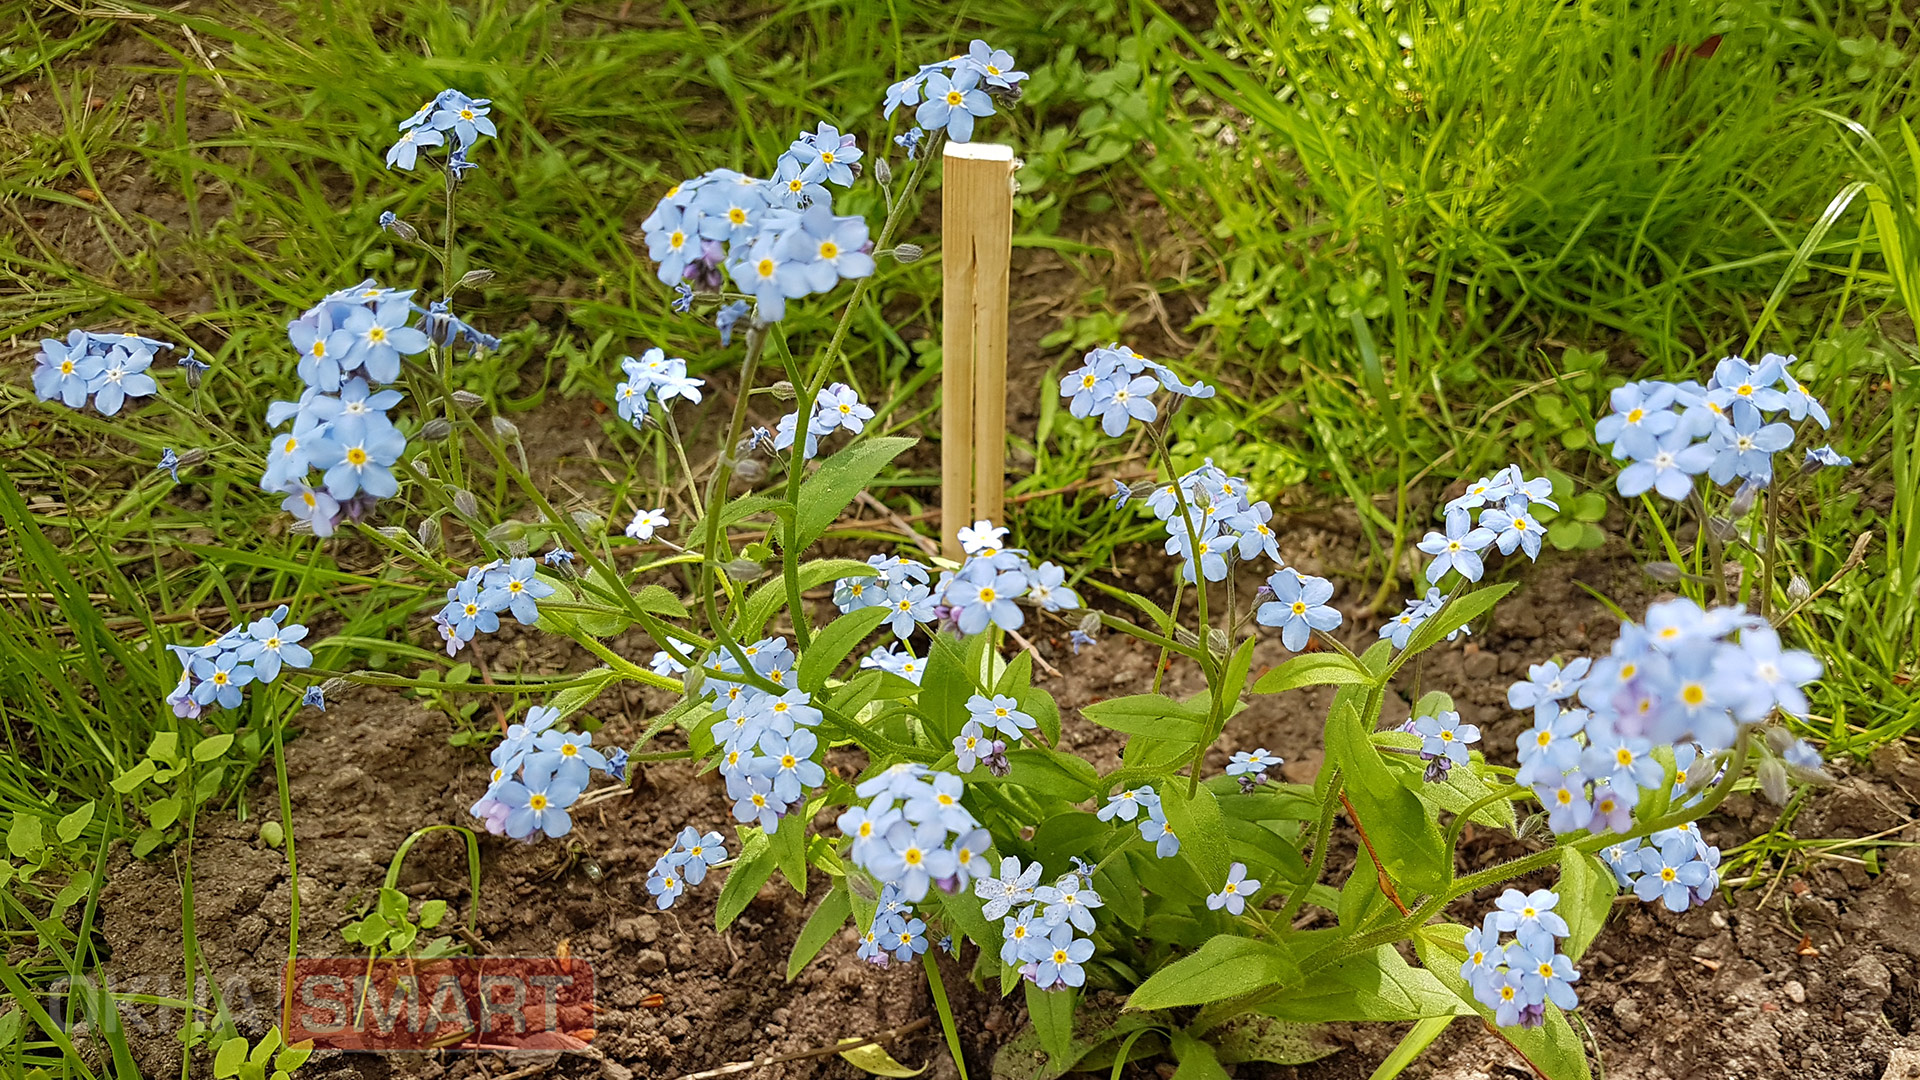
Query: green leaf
x,y
208,749
1553,1049
1156,716
834,642
1396,821
1262,1038
1586,897
1376,985
164,812
24,840
945,689
1566,534
127,781
1239,665
1197,1059
753,868
1312,669
873,1058
658,600
767,597
1051,1012
393,905
1226,966
1456,614
1047,772
70,826
1412,1044
574,698
790,850
227,1059
1040,705
839,480
165,748
431,913
826,921
1198,824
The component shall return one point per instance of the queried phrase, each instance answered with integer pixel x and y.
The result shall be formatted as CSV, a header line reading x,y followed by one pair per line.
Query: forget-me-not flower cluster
x,y
1671,433
686,863
1686,677
1041,924
449,115
836,408
538,772
773,249
1503,506
474,606
216,673
1516,978
110,368
914,832
654,374
949,95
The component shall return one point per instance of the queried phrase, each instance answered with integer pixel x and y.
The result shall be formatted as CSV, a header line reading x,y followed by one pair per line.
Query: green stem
x,y
1322,833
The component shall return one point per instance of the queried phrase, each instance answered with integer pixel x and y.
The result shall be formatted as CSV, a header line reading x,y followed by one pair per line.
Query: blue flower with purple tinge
x,y
953,103
1299,607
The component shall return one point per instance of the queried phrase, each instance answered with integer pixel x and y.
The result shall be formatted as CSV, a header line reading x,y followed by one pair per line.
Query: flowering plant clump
x,y
971,824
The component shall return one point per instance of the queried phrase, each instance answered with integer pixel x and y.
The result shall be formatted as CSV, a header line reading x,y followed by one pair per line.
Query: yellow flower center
x,y
737,216
788,761
1636,416
356,456
1693,694
307,497
1299,607
912,856
66,367
537,801
827,156
764,268
988,595
219,678
319,348
466,114
1667,875
1623,757
954,98
831,250
677,240
569,750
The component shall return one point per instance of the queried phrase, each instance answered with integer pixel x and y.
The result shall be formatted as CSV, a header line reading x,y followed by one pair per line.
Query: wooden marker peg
x,y
976,229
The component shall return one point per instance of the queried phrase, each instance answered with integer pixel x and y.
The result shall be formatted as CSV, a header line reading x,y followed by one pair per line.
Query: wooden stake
x,y
976,250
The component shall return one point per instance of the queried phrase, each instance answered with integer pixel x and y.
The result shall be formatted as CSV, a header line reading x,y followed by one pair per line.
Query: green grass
x,y
1399,284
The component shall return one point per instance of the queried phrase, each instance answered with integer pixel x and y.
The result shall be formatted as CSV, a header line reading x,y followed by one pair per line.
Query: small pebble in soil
x,y
1795,992
1627,1011
651,962
643,928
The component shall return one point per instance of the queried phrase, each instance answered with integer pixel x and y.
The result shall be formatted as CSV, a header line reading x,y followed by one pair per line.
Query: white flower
x,y
982,536
646,521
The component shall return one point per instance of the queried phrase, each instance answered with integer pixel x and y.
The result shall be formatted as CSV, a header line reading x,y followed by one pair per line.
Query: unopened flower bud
x,y
506,429
474,278
744,570
435,430
1779,739
419,466
1199,497
193,457
784,390
1743,500
588,522
1217,641
428,532
694,681
1798,591
1185,636
397,227
883,172
1532,825
465,503
467,399
301,527
907,253
392,532
335,686
1090,622
1772,775
517,547
750,470
1663,571
1720,527
506,532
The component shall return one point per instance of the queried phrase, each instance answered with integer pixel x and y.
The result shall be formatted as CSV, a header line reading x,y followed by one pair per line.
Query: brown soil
x,y
1730,990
